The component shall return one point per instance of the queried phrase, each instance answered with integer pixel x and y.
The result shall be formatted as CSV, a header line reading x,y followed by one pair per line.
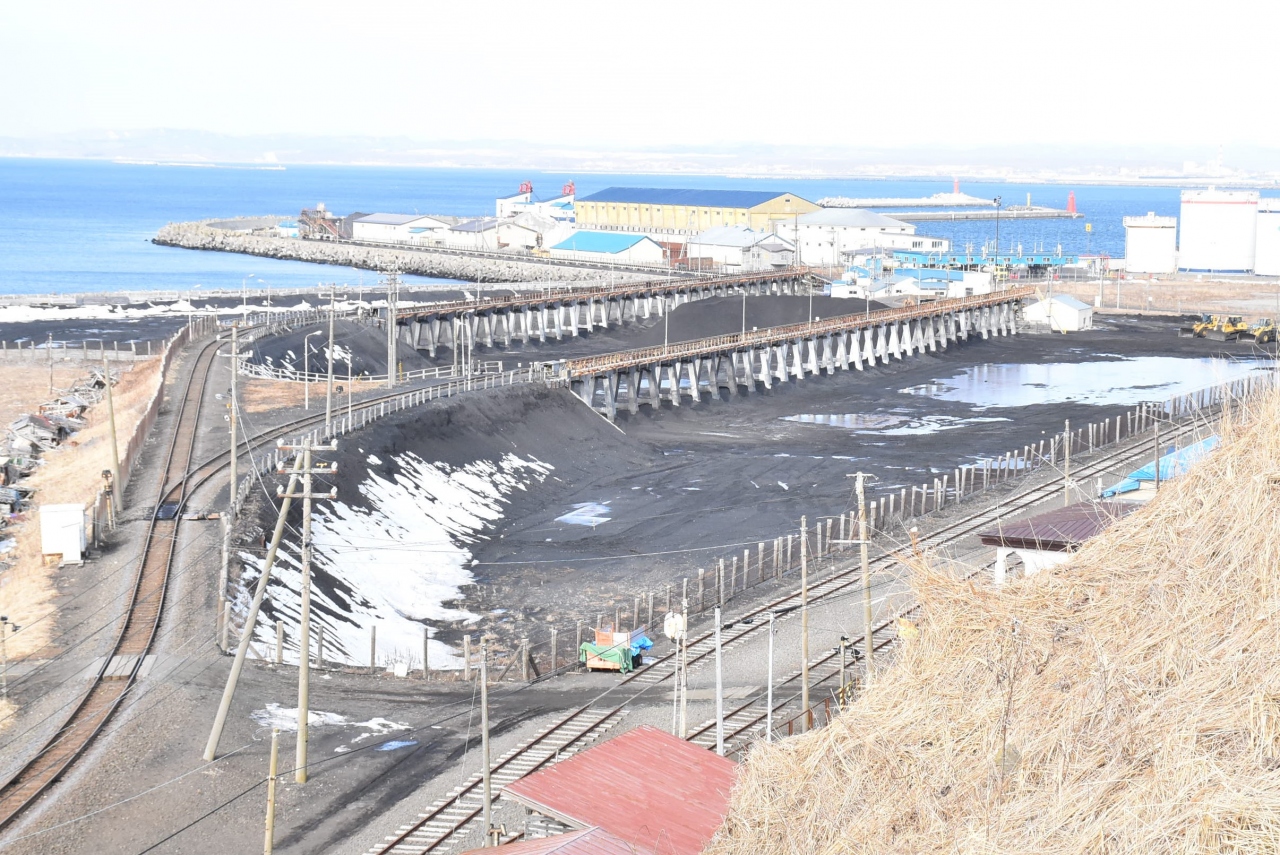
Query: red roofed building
x,y
652,791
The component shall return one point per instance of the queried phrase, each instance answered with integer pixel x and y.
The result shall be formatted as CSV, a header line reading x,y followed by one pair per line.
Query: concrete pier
x,y
742,364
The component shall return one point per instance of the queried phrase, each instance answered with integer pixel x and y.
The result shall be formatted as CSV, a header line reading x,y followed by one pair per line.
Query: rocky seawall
x,y
422,262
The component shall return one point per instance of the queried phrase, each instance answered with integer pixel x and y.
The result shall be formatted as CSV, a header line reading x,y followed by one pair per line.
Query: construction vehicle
x,y
1198,329
1226,328
1263,332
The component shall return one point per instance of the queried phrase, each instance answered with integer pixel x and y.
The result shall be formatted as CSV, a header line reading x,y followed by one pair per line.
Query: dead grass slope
x,y
1127,702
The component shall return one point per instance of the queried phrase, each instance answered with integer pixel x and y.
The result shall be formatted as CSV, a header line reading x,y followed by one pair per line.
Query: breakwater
x,y
489,267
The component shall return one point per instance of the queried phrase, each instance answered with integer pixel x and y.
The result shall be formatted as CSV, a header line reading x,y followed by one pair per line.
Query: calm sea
x,y
85,226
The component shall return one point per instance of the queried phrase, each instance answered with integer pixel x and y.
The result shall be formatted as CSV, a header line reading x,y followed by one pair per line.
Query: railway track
x,y
120,670
449,818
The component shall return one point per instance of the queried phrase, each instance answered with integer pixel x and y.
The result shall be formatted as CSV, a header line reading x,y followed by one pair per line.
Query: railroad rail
x,y
590,365
121,669
450,817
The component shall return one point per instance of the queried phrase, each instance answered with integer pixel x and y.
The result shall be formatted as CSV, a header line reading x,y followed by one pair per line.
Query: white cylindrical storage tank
x,y
1219,230
1151,244
1267,254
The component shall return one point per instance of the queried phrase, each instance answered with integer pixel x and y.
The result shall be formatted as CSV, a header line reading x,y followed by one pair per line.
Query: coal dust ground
x,y
665,492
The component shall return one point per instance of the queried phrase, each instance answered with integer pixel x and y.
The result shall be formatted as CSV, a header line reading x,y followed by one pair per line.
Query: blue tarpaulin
x,y
1172,465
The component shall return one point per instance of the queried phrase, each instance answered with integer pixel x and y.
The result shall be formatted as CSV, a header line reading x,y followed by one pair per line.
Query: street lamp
x,y
996,201
244,290
306,369
5,625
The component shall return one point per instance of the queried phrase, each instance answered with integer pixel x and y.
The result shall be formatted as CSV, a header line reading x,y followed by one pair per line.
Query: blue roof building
x,y
609,247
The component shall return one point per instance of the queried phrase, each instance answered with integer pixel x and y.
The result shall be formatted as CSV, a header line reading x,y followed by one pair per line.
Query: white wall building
x,y
738,248
1219,230
1151,244
395,228
825,237
477,234
1267,249
1060,314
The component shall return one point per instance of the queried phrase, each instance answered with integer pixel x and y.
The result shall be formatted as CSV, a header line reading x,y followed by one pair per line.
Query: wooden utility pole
x,y
393,288
1156,427
866,567
719,690
768,706
484,742
328,390
270,841
246,634
1066,464
116,504
304,620
804,618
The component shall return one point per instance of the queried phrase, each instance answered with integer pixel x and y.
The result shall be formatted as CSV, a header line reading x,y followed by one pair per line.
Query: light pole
x,y
996,201
306,369
744,311
5,625
244,291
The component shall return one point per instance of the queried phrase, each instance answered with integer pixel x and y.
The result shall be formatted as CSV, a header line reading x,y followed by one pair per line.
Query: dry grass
x,y
70,473
1126,702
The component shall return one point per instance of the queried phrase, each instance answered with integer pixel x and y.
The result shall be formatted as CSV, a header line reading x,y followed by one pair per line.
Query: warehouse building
x,y
609,248
1060,313
735,249
1219,230
681,214
828,236
395,228
1151,244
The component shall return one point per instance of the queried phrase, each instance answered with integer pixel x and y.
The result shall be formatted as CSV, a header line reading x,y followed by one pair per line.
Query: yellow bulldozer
x,y
1263,332
1198,329
1226,328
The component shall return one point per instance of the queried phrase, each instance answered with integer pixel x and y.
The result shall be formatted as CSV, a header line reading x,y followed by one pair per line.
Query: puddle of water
x,y
586,513
887,425
1124,381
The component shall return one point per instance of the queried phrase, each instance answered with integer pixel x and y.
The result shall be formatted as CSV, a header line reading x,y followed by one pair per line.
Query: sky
x,y
630,74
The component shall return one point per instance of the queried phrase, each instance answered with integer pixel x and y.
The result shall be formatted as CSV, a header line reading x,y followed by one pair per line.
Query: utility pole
x,y
5,626
1066,463
866,567
484,741
304,621
49,348
246,634
115,448
719,691
270,841
804,618
1156,427
235,372
393,288
768,723
684,672
328,391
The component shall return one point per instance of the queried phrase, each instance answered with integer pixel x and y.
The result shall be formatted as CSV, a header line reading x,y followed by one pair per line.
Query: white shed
x,y
609,247
394,228
1267,257
62,532
1060,314
1151,244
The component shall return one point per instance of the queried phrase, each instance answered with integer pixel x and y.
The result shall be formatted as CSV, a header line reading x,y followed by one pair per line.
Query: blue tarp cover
x,y
1171,465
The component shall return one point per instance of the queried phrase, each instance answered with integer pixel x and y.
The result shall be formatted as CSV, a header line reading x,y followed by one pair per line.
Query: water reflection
x,y
1123,381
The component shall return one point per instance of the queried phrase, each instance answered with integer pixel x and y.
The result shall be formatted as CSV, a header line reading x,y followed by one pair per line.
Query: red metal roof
x,y
1058,530
654,790
593,841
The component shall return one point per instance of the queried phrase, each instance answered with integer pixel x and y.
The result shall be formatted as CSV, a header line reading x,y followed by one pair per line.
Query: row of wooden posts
x,y
772,560
766,561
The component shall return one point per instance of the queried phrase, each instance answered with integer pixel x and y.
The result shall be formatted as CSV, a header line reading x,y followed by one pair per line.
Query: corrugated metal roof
x,y
650,788
854,218
389,219
588,241
593,841
481,225
701,198
1060,529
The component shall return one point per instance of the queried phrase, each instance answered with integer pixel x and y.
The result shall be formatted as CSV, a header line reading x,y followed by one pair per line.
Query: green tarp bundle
x,y
618,654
